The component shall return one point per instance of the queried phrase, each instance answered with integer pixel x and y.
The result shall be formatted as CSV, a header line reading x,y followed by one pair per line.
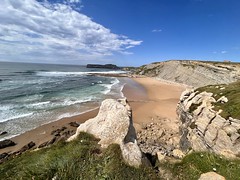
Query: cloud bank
x,y
37,31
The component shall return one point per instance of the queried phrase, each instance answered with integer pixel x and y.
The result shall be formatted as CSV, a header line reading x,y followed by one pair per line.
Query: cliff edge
x,y
193,73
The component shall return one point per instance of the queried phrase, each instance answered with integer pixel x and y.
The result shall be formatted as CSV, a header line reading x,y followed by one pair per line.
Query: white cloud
x,y
33,30
223,52
156,30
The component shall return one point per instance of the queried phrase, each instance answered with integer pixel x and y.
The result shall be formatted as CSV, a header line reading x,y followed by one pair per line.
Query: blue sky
x,y
124,32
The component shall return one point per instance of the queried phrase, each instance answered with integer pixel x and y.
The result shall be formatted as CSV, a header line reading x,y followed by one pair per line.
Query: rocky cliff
x,y
210,119
193,73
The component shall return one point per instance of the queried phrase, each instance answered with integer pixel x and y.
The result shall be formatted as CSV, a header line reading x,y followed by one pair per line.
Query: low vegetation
x,y
84,159
232,92
194,164
79,159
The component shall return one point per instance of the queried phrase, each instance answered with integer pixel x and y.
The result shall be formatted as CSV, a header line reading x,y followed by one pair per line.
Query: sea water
x,y
35,94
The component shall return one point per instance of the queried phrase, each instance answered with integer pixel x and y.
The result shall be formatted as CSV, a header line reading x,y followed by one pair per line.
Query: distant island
x,y
106,66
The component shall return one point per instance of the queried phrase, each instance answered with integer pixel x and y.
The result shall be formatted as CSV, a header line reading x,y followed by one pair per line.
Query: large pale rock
x,y
211,176
113,124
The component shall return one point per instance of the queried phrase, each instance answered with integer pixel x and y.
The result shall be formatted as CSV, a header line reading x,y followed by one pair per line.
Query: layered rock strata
x,y
202,128
193,73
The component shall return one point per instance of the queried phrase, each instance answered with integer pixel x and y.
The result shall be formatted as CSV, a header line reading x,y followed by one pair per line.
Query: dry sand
x,y
151,100
160,102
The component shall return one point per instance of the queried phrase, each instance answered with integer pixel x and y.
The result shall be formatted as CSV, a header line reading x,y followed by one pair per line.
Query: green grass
x,y
194,164
232,92
193,107
79,159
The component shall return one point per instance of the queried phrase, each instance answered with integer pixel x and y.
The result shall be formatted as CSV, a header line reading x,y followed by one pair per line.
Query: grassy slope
x,y
193,165
232,92
80,159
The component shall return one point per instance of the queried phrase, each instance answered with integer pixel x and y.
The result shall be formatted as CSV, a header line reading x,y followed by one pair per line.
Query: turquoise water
x,y
34,94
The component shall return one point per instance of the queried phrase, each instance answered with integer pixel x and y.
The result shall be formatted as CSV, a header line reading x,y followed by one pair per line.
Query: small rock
x,y
52,141
3,133
211,176
161,156
63,128
6,143
222,100
27,147
3,155
178,154
74,124
43,144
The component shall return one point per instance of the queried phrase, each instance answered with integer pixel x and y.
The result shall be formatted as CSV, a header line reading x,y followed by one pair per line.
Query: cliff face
x,y
202,126
193,73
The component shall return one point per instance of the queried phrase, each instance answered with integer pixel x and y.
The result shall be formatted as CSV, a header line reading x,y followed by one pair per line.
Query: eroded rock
x,y
203,129
113,124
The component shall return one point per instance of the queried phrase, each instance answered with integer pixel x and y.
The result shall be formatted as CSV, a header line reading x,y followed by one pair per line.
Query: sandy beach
x,y
151,100
158,103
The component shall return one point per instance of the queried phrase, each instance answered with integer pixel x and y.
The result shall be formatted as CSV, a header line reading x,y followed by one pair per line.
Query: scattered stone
x,y
113,124
27,147
57,132
211,176
52,141
3,133
6,143
177,153
43,144
3,155
153,138
74,124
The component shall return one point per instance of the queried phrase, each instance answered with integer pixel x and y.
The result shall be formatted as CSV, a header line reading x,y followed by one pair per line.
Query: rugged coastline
x,y
171,123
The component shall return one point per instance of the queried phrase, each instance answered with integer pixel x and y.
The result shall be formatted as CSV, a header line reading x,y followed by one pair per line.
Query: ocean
x,y
36,94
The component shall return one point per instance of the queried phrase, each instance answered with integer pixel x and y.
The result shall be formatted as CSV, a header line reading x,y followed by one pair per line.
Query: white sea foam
x,y
59,73
16,117
66,115
72,102
40,103
109,86
8,137
121,90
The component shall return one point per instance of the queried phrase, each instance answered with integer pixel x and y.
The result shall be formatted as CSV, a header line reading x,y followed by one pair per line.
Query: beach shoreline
x,y
148,98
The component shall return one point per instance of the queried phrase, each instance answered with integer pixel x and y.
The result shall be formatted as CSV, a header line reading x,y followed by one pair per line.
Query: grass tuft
x,y
232,92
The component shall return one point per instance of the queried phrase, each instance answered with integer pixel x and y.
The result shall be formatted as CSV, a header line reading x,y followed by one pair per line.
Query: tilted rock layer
x,y
203,129
193,73
113,124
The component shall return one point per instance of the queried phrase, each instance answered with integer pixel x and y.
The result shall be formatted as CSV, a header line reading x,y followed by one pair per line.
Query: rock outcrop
x,y
6,143
193,73
113,124
105,66
202,128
